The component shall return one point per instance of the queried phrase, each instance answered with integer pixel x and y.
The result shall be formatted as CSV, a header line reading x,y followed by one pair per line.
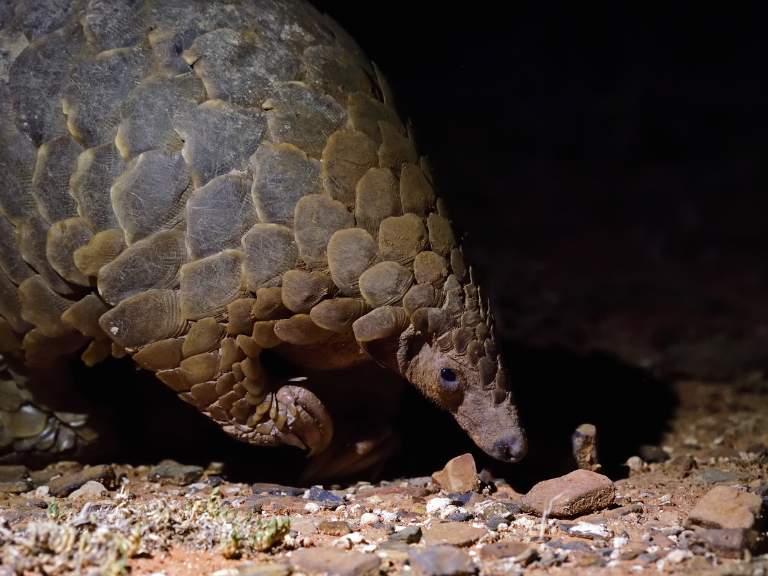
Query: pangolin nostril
x,y
510,448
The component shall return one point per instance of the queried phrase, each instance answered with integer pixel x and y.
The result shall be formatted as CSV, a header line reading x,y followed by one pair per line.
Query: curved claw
x,y
308,419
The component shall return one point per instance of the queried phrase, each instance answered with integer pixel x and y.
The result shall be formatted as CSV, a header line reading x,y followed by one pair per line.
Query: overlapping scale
x,y
195,181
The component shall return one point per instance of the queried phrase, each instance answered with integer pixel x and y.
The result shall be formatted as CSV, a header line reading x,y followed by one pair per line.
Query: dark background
x,y
608,167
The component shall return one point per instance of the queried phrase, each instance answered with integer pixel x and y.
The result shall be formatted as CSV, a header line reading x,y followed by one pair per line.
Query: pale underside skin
x,y
192,183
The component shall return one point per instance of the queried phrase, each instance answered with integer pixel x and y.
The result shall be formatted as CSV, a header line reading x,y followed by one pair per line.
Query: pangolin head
x,y
450,354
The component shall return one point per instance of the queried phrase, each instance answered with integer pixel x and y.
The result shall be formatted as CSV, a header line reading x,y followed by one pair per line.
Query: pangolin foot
x,y
293,415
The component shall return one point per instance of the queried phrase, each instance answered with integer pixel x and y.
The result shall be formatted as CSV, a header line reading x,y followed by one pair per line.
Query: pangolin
x,y
206,184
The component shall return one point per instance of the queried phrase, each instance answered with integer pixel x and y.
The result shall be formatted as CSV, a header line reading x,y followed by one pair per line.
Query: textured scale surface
x,y
194,182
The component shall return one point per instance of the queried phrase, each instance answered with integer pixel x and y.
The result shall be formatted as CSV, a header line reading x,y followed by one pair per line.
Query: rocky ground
x,y
692,503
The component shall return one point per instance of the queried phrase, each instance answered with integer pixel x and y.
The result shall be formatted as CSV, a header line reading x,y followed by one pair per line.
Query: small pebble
x,y
500,550
334,561
91,490
171,472
489,509
68,483
495,522
460,517
441,561
196,487
454,534
459,475
437,505
725,507
731,542
369,518
409,535
334,528
321,495
579,492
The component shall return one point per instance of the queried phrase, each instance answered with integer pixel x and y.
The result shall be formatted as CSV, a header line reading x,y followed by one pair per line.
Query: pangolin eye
x,y
448,375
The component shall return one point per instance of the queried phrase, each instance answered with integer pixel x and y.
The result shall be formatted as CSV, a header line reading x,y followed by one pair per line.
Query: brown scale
x,y
194,189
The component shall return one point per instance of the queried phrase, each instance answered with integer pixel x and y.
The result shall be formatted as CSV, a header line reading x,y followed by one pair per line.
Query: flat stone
x,y
275,489
288,505
587,530
261,569
499,550
303,525
317,493
391,496
91,490
488,509
615,512
680,465
494,522
336,528
388,528
579,492
460,517
574,545
461,499
171,472
9,472
459,475
41,477
334,562
726,507
408,535
441,561
15,486
453,534
731,542
65,485
714,476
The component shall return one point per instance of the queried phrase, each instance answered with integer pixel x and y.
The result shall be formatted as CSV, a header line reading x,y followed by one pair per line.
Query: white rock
x,y
448,510
38,493
587,529
388,516
312,507
342,542
369,518
91,490
437,505
677,556
618,542
525,522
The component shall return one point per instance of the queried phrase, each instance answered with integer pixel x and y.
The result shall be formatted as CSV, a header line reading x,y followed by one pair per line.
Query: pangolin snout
x,y
510,448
